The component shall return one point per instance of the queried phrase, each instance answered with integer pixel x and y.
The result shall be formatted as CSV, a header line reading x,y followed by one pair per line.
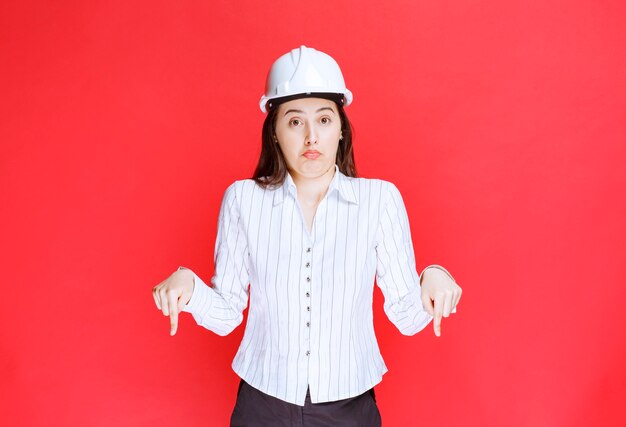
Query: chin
x,y
314,171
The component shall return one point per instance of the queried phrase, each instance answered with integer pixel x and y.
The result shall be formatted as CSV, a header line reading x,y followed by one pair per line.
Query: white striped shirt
x,y
310,320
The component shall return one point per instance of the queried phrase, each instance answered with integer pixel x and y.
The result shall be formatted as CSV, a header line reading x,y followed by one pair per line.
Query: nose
x,y
311,135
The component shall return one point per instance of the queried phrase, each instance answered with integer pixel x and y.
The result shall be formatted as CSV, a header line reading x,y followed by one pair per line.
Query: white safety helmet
x,y
304,71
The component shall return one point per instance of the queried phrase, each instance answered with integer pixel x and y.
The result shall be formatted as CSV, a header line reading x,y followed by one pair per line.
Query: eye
x,y
325,120
294,122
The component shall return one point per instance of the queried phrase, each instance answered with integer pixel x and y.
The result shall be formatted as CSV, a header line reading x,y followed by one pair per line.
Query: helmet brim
x,y
338,98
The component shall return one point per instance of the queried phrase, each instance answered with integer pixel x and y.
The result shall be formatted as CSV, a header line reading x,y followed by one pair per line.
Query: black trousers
x,y
254,408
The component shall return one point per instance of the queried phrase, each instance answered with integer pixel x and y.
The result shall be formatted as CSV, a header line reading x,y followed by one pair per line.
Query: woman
x,y
309,237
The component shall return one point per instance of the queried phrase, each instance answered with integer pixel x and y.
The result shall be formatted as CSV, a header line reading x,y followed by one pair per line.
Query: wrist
x,y
188,276
435,267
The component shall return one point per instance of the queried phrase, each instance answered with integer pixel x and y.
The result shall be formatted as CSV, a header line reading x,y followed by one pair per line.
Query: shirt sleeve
x,y
220,308
396,273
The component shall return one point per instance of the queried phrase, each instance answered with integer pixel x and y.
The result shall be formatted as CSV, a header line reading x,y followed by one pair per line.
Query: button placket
x,y
307,294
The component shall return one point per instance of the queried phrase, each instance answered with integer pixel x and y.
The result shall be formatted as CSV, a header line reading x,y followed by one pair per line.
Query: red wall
x,y
502,123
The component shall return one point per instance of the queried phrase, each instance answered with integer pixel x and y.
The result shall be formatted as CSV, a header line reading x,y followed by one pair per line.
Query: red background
x,y
502,123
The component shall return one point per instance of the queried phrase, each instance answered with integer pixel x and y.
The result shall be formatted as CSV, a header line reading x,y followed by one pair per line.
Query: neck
x,y
312,190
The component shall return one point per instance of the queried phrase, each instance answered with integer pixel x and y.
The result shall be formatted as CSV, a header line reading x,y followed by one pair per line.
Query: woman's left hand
x,y
440,295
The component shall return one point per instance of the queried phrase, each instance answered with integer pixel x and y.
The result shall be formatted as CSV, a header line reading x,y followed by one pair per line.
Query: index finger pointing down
x,y
173,303
173,322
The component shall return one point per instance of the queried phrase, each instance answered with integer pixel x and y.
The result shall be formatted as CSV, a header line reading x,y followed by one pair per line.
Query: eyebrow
x,y
301,112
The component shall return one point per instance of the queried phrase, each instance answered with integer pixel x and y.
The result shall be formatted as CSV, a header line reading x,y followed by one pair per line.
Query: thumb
x,y
428,304
181,303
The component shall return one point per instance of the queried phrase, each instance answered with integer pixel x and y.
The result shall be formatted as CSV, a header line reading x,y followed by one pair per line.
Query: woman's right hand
x,y
172,294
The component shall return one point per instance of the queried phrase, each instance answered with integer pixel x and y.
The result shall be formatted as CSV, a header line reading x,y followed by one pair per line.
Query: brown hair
x,y
271,170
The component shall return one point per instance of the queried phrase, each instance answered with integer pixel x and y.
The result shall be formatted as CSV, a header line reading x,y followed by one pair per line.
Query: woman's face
x,y
308,132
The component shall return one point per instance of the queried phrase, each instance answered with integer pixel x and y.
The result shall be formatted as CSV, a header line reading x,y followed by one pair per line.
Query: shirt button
x,y
308,309
308,294
307,352
308,264
308,250
308,279
308,324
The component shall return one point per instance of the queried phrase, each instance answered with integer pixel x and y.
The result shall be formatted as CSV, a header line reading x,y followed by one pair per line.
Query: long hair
x,y
271,169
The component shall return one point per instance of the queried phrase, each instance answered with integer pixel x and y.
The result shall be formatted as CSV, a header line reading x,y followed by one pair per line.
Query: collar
x,y
340,183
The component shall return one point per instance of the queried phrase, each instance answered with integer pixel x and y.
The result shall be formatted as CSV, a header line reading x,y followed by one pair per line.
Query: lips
x,y
311,154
